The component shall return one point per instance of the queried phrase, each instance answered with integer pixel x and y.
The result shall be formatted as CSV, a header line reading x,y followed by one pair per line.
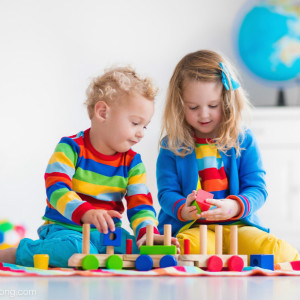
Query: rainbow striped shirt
x,y
211,171
79,178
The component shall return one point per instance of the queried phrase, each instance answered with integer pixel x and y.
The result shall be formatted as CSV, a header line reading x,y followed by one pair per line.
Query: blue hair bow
x,y
225,76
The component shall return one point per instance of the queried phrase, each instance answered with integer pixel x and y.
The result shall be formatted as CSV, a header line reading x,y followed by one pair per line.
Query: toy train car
x,y
162,256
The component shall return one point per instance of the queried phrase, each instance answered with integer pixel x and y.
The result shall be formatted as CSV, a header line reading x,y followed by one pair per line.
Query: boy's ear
x,y
101,110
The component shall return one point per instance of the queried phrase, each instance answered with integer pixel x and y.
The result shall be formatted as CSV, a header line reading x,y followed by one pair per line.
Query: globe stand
x,y
281,98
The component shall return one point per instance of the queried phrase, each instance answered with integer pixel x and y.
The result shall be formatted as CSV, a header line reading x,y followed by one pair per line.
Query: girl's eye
x,y
135,124
145,127
193,108
213,106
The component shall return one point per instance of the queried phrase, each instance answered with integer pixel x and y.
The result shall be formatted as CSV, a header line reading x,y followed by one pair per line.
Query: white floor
x,y
154,288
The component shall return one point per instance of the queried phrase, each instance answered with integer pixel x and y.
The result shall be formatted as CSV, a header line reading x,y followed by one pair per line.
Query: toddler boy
x,y
90,172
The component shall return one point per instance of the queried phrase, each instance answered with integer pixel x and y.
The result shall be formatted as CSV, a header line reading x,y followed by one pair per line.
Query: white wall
x,y
50,50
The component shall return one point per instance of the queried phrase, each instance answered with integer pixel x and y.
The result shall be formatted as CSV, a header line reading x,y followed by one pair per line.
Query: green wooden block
x,y
114,262
90,262
194,203
158,249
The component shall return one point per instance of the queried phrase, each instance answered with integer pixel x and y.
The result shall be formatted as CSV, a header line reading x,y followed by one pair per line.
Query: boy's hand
x,y
226,209
158,240
102,219
190,212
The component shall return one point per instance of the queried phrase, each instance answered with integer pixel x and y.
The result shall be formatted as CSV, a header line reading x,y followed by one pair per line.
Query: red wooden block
x,y
186,246
201,199
214,264
128,246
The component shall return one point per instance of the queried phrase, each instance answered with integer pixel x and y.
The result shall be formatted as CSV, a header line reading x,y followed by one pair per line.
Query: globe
x,y
269,40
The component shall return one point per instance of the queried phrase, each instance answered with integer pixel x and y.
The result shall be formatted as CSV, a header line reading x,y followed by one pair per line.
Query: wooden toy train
x,y
153,256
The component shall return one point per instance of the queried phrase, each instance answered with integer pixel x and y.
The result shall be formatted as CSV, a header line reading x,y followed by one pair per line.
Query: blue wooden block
x,y
117,239
265,261
144,263
168,261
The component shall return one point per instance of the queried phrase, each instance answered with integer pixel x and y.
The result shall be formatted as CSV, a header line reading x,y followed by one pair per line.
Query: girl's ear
x,y
101,110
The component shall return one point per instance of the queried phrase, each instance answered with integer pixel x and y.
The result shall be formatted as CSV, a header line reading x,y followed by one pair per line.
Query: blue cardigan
x,y
177,177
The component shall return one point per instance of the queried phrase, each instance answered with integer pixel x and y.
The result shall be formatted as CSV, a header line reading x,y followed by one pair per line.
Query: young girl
x,y
206,146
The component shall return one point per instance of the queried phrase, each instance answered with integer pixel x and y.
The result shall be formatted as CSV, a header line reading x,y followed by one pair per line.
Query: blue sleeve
x,y
170,195
253,191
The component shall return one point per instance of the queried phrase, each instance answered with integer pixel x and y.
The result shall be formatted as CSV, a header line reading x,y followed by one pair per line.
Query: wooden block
x,y
200,201
186,246
167,234
113,238
233,240
219,239
265,261
158,249
149,235
203,195
86,238
41,261
110,250
203,239
128,246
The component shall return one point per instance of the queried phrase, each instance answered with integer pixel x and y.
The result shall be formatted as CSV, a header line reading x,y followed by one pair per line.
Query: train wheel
x,y
214,264
235,263
167,261
114,262
90,262
144,263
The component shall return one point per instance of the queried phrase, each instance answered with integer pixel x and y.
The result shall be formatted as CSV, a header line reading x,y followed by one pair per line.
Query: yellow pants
x,y
251,240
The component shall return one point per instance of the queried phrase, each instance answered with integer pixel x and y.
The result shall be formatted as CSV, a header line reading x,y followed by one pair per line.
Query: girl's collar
x,y
203,140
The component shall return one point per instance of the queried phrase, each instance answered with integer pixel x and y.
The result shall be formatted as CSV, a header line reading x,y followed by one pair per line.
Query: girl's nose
x,y
203,113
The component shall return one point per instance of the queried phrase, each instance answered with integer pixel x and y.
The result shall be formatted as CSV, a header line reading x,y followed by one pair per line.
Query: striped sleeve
x,y
58,180
140,208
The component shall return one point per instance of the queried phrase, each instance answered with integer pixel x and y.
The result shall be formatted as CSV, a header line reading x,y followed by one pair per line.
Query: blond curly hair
x,y
116,82
202,65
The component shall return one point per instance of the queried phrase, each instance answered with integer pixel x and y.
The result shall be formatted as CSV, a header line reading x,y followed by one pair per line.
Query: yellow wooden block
x,y
41,261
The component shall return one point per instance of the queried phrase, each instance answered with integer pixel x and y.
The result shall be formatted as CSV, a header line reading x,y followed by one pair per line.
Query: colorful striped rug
x,y
11,270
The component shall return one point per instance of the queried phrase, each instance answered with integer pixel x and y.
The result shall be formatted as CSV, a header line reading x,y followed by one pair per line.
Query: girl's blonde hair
x,y
116,82
202,65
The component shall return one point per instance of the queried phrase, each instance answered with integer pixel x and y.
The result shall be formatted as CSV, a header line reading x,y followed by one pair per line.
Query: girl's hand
x,y
226,209
102,219
190,212
158,240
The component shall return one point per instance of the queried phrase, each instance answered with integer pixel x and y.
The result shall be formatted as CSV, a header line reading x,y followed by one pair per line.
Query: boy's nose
x,y
140,133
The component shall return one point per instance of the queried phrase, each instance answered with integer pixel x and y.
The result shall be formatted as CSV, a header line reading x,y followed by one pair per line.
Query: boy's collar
x,y
94,151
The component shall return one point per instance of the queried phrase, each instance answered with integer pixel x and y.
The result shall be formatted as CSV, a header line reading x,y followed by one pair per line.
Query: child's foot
x,y
8,255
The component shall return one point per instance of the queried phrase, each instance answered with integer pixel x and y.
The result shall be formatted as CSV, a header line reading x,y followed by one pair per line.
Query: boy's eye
x,y
135,123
